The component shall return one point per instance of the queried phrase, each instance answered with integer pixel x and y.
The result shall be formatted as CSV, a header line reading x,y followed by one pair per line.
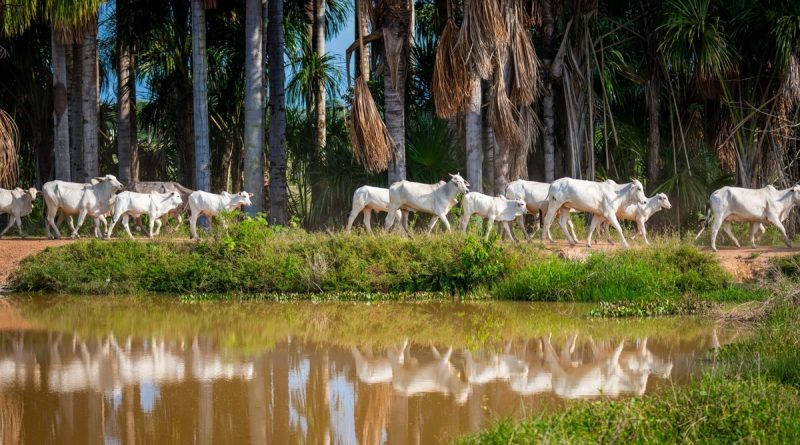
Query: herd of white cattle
x,y
105,196
607,202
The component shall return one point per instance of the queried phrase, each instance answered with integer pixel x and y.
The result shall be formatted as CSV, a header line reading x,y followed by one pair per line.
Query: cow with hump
x,y
211,204
598,198
16,203
435,199
93,199
368,199
493,209
756,206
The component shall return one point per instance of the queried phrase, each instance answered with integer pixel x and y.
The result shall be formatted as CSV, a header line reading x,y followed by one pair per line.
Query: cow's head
x,y
243,198
796,194
175,200
460,183
519,207
110,179
636,193
32,193
663,201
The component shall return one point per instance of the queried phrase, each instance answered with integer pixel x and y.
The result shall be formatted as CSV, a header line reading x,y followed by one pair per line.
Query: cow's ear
x,y
96,180
452,175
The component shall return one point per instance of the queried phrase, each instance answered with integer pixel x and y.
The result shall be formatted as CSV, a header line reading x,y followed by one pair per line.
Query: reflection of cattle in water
x,y
611,372
411,378
538,379
497,367
372,369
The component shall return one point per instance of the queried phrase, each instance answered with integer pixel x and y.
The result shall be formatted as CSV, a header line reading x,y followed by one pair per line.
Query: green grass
x,y
751,395
253,258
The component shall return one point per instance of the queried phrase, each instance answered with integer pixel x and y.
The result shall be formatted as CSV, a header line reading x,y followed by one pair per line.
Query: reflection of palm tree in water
x,y
373,404
10,419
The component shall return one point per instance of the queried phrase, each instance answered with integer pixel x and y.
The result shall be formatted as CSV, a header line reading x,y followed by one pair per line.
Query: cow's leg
x,y
51,222
11,219
367,219
390,217
353,215
507,227
552,209
465,221
81,218
159,223
126,224
19,227
754,227
489,226
571,226
432,223
776,221
150,225
193,224
726,227
612,218
715,231
642,230
521,224
563,218
446,223
114,220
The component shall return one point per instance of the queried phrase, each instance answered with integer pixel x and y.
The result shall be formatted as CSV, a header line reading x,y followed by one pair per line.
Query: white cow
x,y
16,203
491,208
210,204
133,204
436,199
640,214
440,376
162,187
94,199
598,198
756,206
366,200
535,196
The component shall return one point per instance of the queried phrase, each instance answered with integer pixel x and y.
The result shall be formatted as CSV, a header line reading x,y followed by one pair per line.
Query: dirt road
x,y
743,264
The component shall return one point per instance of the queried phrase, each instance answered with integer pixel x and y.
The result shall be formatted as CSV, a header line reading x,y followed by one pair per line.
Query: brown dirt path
x,y
13,250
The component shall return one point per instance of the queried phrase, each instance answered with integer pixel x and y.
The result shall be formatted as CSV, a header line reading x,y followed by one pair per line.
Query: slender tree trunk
x,y
472,122
60,110
319,49
123,114
134,127
500,167
202,158
254,107
362,30
75,114
89,102
653,105
237,167
279,213
394,94
548,116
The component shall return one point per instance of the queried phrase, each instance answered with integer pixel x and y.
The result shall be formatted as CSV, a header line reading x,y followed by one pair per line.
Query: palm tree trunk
x,y
279,213
254,107
319,49
653,105
75,114
548,116
362,30
202,159
124,114
134,127
395,41
89,102
472,122
61,144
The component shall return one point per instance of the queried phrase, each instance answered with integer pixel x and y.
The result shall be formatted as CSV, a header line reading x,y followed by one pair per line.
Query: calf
x,y
154,205
210,204
17,203
640,214
491,208
435,199
367,199
163,187
756,206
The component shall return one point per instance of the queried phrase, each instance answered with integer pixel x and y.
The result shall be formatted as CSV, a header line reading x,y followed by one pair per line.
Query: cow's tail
x,y
541,218
705,222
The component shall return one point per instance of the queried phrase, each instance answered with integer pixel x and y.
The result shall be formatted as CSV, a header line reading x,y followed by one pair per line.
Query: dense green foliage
x,y
751,396
664,271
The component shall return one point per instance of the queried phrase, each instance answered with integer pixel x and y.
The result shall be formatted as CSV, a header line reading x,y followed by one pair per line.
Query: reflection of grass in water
x,y
251,326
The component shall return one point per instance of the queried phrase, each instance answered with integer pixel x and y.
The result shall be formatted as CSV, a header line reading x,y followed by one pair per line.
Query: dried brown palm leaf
x,y
503,115
529,132
790,87
368,133
525,64
450,84
9,143
482,34
724,149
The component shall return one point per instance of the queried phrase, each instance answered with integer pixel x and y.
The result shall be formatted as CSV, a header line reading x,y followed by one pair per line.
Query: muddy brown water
x,y
156,370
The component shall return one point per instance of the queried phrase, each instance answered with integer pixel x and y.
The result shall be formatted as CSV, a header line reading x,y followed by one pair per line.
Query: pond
x,y
157,370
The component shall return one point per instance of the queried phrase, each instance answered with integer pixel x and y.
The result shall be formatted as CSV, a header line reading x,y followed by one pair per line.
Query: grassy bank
x,y
253,258
750,395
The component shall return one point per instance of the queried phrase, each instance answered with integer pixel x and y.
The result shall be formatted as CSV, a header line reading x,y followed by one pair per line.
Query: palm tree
x,y
202,161
277,115
548,114
61,146
319,49
254,106
89,99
